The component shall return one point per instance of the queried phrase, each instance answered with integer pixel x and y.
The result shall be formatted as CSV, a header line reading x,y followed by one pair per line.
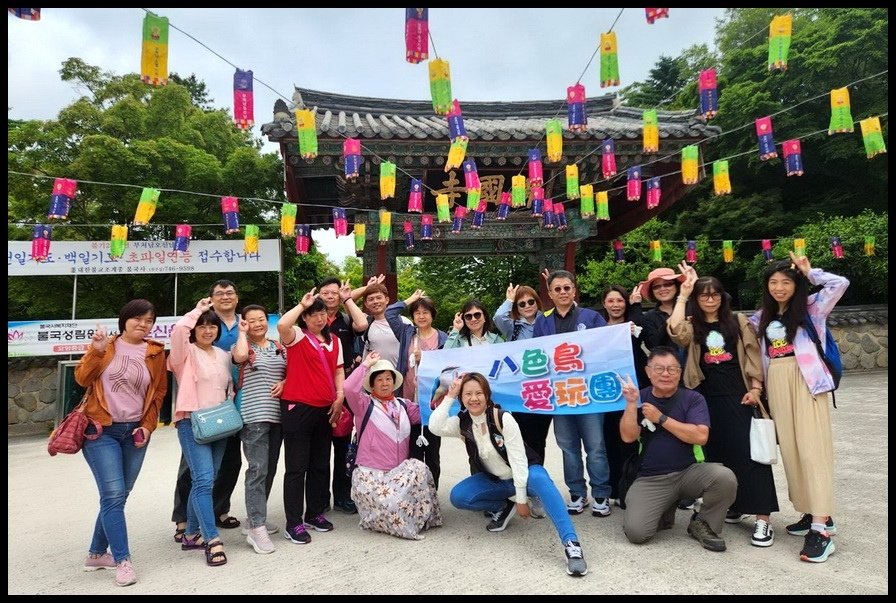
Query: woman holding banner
x,y
507,472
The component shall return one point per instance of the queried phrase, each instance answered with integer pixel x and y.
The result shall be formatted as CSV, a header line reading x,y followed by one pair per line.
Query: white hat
x,y
382,365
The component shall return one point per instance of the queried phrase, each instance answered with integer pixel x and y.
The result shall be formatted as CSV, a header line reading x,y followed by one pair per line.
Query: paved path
x,y
52,504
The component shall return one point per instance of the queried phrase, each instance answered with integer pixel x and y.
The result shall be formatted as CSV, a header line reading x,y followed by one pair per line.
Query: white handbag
x,y
763,440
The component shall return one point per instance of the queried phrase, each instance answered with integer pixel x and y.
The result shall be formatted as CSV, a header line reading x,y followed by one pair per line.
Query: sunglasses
x,y
663,285
472,315
564,288
525,303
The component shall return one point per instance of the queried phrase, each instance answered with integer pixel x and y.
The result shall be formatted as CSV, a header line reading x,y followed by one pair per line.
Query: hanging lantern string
x,y
432,42
195,39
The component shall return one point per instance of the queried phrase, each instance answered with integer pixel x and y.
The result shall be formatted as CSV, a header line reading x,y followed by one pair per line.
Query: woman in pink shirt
x,y
204,380
394,494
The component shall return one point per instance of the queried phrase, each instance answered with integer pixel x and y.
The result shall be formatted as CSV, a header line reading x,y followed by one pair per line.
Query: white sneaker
x,y
260,541
272,528
536,507
763,534
601,507
577,504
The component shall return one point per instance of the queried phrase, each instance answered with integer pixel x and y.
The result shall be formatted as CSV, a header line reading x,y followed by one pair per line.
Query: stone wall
x,y
861,332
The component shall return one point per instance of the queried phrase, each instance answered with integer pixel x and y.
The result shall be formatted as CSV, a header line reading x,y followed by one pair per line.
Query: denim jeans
x,y
204,461
261,445
572,433
481,492
115,463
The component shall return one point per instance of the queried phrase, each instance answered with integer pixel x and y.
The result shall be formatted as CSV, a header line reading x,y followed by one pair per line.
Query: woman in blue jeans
x,y
507,472
126,382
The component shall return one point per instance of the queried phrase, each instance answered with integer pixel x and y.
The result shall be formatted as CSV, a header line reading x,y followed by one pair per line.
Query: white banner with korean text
x,y
143,257
569,373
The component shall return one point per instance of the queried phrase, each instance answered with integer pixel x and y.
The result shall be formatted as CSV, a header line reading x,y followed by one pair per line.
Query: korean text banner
x,y
64,337
143,257
569,373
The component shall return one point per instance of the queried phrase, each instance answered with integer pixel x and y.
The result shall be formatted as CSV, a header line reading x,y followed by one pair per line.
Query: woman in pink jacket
x,y
203,380
394,494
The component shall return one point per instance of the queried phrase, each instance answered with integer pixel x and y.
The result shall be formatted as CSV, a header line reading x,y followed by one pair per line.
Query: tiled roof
x,y
339,115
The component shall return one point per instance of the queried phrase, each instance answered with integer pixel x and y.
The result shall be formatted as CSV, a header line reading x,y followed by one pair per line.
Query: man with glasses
x,y
573,432
672,423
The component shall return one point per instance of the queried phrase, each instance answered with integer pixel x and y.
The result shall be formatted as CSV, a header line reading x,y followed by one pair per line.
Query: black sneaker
x,y
575,560
346,506
802,527
733,517
297,534
502,518
699,530
817,547
319,523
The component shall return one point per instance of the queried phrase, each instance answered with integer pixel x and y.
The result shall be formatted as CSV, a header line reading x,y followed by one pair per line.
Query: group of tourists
x,y
700,370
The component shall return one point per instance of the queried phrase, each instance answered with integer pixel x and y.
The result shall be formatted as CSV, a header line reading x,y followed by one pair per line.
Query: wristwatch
x,y
662,419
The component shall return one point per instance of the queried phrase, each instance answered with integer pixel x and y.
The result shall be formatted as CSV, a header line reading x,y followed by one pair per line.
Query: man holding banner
x,y
575,431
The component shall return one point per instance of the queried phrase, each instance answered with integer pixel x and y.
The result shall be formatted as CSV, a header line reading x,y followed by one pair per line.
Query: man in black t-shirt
x,y
673,424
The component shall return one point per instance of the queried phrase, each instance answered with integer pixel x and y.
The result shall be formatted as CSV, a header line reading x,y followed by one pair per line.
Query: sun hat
x,y
382,365
658,274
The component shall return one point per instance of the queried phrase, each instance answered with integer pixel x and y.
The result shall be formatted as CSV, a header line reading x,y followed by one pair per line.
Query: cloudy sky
x,y
495,54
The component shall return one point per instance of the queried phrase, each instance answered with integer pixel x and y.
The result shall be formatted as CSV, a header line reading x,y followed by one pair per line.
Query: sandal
x,y
215,558
179,534
192,542
228,523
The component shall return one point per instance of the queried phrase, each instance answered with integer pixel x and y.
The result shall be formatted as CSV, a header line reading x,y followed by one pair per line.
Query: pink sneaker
x,y
125,574
104,561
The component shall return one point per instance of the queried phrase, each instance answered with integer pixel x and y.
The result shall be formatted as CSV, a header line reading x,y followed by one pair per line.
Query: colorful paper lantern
x,y
872,137
230,209
633,183
504,206
779,32
619,251
360,236
408,228
721,180
707,87
603,206
351,156
387,180
560,216
306,127
26,14
288,219
572,181
554,133
869,245
415,197
385,234
440,85
182,234
416,34
442,208
765,132
690,164
303,238
479,214
656,251
456,154
690,255
793,157
767,250
119,241
243,99
837,248
250,243
547,216
340,224
40,242
146,207
609,60
728,251
656,13
154,53
651,131
456,128
518,190
426,227
64,191
471,176
536,172
586,192
537,201
608,158
576,105
799,247
654,192
841,114
460,213
473,199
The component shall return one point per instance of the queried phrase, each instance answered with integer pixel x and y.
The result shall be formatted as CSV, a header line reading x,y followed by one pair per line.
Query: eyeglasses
x,y
662,285
472,315
526,302
664,370
563,289
224,294
709,296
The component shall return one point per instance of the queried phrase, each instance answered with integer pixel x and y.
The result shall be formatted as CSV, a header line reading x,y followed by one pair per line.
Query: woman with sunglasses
x,y
798,382
723,365
472,326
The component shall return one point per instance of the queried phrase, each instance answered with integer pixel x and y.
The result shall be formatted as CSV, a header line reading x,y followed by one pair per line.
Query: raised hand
x,y
345,291
801,263
690,277
635,297
204,304
511,291
100,339
454,390
415,296
371,359
545,274
375,280
629,389
243,325
458,322
308,298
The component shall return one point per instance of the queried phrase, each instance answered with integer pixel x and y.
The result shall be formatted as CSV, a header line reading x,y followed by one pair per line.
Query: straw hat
x,y
658,274
382,365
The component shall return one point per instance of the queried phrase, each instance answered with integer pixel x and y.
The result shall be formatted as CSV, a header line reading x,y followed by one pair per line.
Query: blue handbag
x,y
216,423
